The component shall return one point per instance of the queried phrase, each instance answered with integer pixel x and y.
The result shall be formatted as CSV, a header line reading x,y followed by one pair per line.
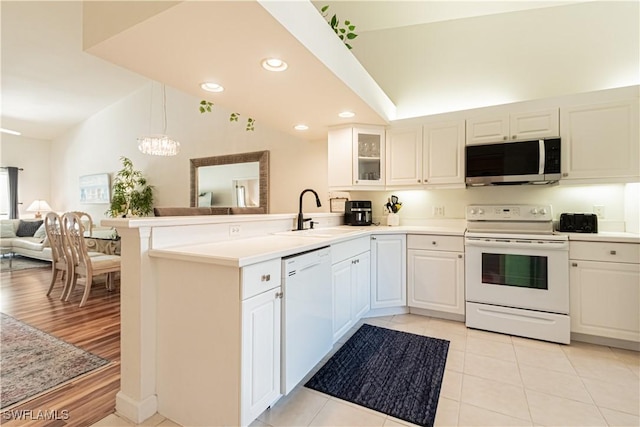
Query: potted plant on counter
x,y
132,195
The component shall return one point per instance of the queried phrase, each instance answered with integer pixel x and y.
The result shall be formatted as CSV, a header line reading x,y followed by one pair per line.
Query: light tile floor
x,y
490,380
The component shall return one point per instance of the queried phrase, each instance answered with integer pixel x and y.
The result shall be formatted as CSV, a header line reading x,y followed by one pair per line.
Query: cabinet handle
x,y
265,278
574,264
279,294
373,237
612,252
565,174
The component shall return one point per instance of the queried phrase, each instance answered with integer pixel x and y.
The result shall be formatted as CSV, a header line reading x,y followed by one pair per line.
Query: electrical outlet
x,y
438,211
234,230
599,210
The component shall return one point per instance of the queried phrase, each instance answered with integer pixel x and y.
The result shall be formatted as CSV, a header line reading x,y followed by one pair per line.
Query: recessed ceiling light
x,y
211,87
9,131
301,127
346,114
274,64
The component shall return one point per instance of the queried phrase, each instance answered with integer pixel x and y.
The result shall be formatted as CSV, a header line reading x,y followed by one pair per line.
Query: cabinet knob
x,y
574,264
418,180
279,294
356,181
513,137
504,138
565,174
460,256
373,237
265,278
612,252
434,243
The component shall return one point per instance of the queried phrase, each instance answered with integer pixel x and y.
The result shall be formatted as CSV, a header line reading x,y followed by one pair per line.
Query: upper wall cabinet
x,y
404,156
513,127
432,154
601,141
356,157
443,153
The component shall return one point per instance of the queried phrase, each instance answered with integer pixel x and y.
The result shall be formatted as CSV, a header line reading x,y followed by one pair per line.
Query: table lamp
x,y
39,206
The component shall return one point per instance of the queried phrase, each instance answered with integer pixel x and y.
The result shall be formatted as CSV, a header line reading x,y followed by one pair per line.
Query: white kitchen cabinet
x,y
261,333
350,281
513,127
388,270
601,141
605,289
218,341
443,153
435,273
404,156
432,154
356,157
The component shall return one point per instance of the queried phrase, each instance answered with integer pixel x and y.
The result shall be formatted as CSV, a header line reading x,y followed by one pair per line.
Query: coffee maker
x,y
358,212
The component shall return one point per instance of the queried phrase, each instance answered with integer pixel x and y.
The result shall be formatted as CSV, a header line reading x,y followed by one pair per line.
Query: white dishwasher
x,y
306,313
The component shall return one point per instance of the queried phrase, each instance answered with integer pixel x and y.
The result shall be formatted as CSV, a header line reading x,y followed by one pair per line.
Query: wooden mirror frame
x,y
262,157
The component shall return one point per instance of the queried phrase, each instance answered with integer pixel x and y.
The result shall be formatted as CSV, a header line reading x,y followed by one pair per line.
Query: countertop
x,y
243,252
605,236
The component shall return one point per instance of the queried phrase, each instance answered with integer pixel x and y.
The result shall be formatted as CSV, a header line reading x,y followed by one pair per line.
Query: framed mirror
x,y
236,181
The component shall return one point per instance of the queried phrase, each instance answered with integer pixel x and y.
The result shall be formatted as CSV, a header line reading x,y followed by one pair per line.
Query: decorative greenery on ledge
x,y
205,107
344,30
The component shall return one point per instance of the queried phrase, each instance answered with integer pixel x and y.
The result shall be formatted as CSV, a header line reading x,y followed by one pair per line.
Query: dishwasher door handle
x,y
306,267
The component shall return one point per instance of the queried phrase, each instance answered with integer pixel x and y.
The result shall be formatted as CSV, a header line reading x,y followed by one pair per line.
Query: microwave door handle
x,y
542,159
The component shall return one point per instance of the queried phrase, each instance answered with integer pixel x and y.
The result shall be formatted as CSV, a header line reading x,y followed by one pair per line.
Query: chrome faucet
x,y
301,218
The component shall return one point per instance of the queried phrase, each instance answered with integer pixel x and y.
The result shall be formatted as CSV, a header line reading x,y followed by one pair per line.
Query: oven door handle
x,y
518,244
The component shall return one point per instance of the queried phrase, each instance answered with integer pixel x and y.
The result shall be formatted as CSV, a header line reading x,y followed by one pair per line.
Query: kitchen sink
x,y
319,232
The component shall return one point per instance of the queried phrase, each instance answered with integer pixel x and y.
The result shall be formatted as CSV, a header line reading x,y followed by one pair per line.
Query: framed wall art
x,y
95,188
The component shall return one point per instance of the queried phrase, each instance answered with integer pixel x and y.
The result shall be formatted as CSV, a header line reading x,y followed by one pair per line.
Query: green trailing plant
x,y
206,107
132,195
344,30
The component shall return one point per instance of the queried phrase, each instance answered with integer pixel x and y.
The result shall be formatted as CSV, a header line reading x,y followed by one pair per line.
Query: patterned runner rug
x,y
392,372
34,361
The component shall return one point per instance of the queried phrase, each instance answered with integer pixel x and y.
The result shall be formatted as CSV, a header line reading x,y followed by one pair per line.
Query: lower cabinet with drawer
x,y
435,273
605,290
218,341
350,278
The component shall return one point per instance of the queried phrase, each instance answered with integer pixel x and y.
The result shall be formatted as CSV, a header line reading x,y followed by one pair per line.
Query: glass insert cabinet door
x,y
369,150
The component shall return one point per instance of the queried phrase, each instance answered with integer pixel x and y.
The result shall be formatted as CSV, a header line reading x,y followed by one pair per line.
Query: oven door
x,y
521,273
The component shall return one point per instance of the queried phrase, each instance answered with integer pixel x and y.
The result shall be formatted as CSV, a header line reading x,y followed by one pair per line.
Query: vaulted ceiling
x,y
55,76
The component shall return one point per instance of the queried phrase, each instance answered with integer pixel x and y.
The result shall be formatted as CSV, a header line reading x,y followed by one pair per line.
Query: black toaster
x,y
578,223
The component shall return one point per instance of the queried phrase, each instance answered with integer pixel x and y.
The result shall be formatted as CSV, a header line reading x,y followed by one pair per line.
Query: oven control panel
x,y
509,213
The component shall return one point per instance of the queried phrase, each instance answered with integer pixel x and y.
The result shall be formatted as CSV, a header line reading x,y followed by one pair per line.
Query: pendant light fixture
x,y
160,145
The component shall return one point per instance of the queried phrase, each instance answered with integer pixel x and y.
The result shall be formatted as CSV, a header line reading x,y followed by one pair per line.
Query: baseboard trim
x,y
134,410
609,342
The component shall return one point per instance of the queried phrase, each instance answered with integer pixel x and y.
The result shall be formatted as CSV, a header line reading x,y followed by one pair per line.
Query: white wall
x,y
32,155
95,146
490,60
620,201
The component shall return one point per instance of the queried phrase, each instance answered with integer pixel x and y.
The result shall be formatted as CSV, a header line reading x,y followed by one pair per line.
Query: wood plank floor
x,y
94,328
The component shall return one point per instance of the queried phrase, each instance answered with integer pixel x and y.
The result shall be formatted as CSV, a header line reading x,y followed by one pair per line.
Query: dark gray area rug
x,y
33,361
392,372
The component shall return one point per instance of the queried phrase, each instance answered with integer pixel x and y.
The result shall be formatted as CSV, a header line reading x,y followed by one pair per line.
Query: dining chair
x,y
89,221
59,254
82,264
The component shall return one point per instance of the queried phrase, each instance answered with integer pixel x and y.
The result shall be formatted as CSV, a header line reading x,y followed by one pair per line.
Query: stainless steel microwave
x,y
515,162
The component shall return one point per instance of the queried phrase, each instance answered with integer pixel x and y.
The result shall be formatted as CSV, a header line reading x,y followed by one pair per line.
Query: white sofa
x,y
34,246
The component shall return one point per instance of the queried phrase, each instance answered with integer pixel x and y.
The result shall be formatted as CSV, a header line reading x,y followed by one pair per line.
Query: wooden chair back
x,y
59,250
